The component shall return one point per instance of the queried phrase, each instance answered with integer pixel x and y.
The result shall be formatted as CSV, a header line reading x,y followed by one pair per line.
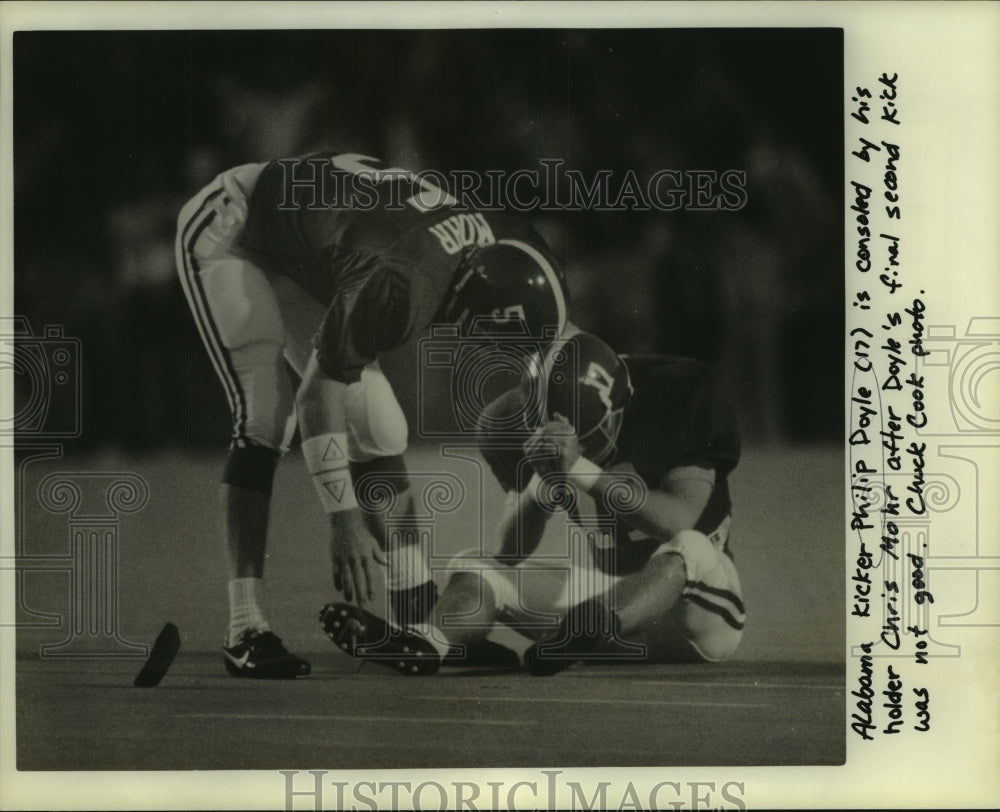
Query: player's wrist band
x,y
326,459
583,473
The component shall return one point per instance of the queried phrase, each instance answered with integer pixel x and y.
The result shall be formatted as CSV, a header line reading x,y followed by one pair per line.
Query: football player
x,y
647,440
325,263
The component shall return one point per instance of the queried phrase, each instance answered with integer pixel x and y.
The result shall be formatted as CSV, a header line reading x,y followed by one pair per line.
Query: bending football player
x,y
323,264
649,443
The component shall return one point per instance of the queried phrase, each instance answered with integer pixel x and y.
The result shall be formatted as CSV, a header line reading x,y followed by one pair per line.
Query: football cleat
x,y
585,627
365,636
261,655
482,654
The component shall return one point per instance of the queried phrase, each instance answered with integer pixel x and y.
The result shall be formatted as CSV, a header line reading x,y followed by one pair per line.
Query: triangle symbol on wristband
x,y
336,488
333,451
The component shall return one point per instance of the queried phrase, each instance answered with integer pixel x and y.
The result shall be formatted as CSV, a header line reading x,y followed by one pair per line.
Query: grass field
x,y
779,701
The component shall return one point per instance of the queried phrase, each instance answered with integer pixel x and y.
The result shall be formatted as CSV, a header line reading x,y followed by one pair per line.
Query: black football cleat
x,y
482,654
586,626
368,637
261,655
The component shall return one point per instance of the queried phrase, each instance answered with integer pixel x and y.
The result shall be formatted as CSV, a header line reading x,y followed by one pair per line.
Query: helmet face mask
x,y
600,444
588,384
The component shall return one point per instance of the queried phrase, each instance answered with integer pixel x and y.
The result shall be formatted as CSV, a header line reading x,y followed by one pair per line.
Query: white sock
x,y
246,596
406,567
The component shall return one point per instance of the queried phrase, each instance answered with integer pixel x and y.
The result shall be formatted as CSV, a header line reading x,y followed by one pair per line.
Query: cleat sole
x,y
367,637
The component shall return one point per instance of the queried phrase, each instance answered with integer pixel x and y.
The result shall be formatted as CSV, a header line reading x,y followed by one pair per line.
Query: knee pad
x,y
501,579
251,467
376,425
699,555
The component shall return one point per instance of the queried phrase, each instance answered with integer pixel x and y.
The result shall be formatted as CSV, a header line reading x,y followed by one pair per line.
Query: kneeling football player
x,y
650,443
280,277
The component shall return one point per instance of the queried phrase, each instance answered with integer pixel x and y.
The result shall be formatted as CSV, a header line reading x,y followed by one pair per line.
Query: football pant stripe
x,y
196,295
550,276
725,594
217,352
224,365
721,611
238,400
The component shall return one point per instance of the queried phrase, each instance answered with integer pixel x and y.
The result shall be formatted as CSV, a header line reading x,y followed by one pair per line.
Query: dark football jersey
x,y
676,418
377,246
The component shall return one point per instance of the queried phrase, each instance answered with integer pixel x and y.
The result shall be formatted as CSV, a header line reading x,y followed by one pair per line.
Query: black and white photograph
x,y
441,412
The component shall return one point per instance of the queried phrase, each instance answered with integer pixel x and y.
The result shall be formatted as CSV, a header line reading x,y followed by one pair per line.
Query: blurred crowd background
x,y
113,131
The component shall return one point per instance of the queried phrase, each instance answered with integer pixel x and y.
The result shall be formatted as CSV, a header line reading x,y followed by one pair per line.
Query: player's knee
x,y
463,613
376,425
480,577
263,408
717,647
695,549
467,609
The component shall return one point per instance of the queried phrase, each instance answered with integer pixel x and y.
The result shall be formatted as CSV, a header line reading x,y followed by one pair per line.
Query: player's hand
x,y
354,553
553,447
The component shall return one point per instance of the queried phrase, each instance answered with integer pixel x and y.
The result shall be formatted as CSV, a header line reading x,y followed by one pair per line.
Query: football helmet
x,y
588,383
509,288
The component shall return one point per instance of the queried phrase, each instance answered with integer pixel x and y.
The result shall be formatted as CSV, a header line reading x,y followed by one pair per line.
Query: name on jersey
x,y
462,230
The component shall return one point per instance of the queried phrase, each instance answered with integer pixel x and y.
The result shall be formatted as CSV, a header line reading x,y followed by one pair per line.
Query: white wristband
x,y
583,473
336,490
326,459
325,452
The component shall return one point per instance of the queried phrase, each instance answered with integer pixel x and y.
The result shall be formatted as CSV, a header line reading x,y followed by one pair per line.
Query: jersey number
x,y
508,314
598,377
429,197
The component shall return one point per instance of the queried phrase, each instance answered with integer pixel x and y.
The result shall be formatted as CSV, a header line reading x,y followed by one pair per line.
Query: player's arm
x,y
320,403
523,521
522,525
710,449
674,505
369,315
